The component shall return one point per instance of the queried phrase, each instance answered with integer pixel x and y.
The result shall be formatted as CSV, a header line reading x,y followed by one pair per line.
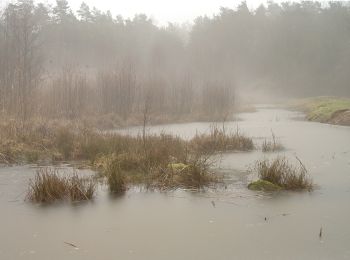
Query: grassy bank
x,y
333,110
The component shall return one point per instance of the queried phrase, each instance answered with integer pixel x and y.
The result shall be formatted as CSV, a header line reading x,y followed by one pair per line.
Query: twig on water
x,y
70,244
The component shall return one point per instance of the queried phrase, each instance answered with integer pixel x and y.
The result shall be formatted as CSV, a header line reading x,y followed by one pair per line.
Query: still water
x,y
231,223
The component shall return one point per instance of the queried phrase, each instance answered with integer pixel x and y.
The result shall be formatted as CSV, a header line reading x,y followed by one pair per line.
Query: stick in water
x,y
70,244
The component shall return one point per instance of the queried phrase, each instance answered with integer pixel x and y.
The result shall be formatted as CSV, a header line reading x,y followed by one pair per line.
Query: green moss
x,y
261,185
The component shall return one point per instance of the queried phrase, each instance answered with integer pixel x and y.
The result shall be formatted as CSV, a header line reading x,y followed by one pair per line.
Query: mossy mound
x,y
261,185
177,166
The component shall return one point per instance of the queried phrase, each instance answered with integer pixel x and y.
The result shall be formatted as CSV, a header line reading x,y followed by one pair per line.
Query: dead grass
x,y
34,141
37,140
121,159
151,162
49,185
81,189
218,140
280,172
194,175
115,177
272,145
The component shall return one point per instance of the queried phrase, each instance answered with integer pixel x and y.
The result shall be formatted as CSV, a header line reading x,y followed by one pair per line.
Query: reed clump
x,y
115,177
158,161
49,185
120,158
194,175
272,145
218,140
81,189
283,174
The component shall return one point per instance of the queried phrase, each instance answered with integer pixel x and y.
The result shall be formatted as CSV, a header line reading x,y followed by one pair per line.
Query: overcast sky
x,y
162,11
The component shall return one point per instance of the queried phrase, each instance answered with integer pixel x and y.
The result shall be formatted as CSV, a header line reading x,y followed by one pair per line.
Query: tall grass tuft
x,y
272,145
280,172
218,140
115,177
81,188
49,185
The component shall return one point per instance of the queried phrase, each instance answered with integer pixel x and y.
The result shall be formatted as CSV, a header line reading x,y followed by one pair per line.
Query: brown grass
x,y
272,145
280,172
150,162
115,177
49,185
143,159
218,140
194,175
81,188
35,141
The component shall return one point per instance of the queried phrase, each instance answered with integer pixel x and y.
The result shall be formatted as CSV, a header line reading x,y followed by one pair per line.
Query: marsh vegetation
x,y
50,185
152,125
156,161
272,144
279,173
219,139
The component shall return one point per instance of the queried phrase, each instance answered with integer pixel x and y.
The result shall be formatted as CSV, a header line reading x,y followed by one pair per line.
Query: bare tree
x,y
22,67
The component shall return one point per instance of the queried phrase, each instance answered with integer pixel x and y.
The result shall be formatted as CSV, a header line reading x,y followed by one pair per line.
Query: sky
x,y
162,11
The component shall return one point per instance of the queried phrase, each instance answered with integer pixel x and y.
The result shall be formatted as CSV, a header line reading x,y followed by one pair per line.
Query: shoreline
x,y
327,110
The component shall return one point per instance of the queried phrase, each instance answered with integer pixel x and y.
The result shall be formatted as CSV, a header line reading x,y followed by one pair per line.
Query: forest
x,y
56,62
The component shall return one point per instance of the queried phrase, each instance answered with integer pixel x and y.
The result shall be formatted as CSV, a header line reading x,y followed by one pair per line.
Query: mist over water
x,y
93,62
124,137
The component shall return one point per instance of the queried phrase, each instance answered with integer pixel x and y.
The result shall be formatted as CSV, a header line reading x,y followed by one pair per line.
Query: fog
x,y
174,130
162,12
57,61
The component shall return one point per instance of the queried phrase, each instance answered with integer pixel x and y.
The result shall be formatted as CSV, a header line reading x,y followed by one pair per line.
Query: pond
x,y
226,223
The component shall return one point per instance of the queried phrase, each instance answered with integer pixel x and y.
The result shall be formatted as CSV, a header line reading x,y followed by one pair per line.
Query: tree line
x,y
60,64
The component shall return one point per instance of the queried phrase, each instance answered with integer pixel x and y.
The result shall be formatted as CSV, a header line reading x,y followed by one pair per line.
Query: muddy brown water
x,y
232,223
